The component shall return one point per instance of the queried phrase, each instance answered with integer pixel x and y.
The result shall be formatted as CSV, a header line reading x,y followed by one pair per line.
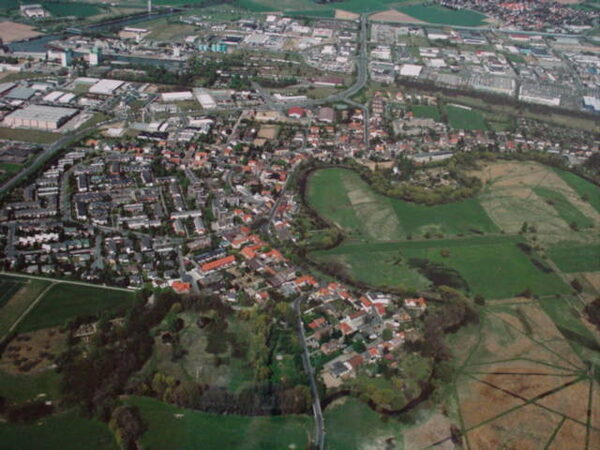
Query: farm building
x,y
40,117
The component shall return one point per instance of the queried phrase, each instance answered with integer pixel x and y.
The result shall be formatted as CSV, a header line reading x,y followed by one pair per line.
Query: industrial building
x,y
106,87
40,117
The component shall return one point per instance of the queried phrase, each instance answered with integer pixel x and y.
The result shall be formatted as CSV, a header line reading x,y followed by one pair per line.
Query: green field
x,y
68,9
199,430
427,112
312,8
465,119
352,425
446,16
67,301
8,287
492,266
36,136
24,387
342,197
573,258
66,431
563,207
19,301
584,188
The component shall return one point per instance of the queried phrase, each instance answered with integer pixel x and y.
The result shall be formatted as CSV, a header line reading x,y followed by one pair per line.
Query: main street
x,y
316,405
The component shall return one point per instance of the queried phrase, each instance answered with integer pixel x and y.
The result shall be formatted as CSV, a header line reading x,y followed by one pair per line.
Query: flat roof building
x,y
40,117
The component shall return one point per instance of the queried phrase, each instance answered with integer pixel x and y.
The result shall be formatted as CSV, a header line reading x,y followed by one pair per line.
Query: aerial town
x,y
349,222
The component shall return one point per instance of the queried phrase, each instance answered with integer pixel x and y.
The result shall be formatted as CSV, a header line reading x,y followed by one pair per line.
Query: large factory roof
x,y
39,112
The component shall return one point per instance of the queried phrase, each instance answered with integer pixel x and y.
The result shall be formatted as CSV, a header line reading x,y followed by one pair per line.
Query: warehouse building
x,y
40,117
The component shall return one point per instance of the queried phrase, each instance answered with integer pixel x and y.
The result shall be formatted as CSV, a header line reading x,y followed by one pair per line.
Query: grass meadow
x,y
493,266
66,431
195,429
67,301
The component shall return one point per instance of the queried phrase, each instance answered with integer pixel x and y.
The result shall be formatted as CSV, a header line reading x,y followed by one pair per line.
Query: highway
x,y
319,442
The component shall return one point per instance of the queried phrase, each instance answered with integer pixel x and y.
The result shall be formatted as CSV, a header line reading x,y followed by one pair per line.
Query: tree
x,y
387,334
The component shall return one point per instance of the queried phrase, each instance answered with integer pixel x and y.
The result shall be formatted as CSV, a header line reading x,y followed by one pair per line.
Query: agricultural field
x,y
312,8
477,242
343,198
465,118
66,431
67,301
195,429
18,295
441,15
587,191
574,257
492,266
525,362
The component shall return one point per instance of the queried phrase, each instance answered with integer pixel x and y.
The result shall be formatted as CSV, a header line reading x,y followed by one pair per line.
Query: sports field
x,y
492,266
464,118
66,431
441,15
426,111
190,429
67,301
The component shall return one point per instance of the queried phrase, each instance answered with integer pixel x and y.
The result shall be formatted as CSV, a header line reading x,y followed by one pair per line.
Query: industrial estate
x,y
260,224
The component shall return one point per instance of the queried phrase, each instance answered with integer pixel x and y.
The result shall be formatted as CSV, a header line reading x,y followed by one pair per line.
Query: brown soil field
x,y
571,401
268,132
393,16
569,434
528,427
593,278
473,394
12,31
595,419
32,352
527,386
435,429
346,15
519,366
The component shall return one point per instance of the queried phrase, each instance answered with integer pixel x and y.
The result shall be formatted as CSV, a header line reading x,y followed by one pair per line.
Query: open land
x,y
64,302
12,31
478,237
66,431
195,429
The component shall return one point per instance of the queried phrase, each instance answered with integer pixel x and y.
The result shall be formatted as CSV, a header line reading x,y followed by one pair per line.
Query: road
x,y
318,413
58,280
46,154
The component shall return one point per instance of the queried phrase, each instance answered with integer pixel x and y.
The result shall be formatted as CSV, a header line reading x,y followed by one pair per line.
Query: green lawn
x,y
353,425
199,430
564,207
584,188
36,136
312,8
573,258
67,301
66,431
64,9
492,266
446,16
18,302
23,387
465,119
8,287
426,111
342,197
